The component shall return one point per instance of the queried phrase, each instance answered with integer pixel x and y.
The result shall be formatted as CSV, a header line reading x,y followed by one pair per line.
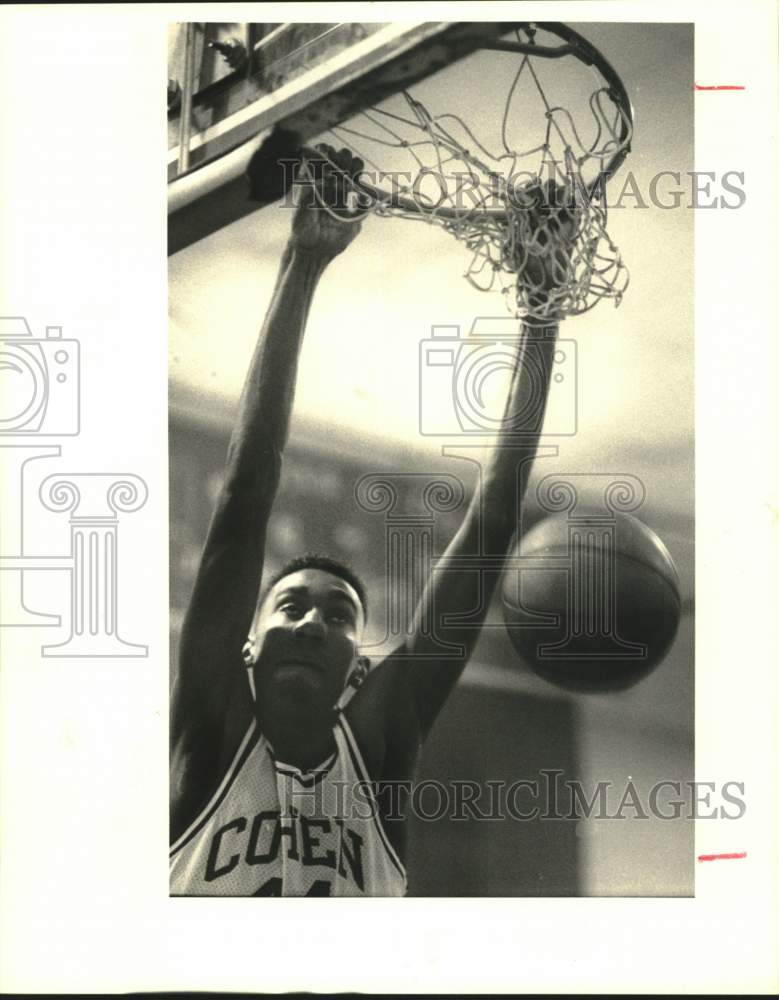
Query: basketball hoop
x,y
507,197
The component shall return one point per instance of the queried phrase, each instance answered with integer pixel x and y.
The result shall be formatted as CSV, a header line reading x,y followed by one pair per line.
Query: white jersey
x,y
274,830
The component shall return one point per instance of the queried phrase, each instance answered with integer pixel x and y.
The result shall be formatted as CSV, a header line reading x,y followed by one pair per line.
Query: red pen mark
x,y
720,857
699,86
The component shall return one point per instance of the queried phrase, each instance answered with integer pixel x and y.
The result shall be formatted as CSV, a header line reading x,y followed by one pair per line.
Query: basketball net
x,y
511,202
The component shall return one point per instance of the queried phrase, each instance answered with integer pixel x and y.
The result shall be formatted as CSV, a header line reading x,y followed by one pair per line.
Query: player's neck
x,y
302,742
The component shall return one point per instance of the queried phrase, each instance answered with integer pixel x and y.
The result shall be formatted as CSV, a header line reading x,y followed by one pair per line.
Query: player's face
x,y
306,637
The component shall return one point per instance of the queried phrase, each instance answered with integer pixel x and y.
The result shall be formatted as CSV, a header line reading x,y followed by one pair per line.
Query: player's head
x,y
303,645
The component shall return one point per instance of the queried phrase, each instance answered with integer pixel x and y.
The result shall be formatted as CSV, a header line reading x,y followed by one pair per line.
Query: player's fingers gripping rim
x,y
339,191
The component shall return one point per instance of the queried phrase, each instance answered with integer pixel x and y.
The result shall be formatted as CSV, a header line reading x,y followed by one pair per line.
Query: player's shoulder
x,y
199,761
383,718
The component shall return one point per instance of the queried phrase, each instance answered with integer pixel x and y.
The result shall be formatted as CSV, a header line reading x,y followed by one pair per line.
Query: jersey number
x,y
273,888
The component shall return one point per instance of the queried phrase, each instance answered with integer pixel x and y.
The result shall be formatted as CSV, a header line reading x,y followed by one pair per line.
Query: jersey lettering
x,y
212,871
274,887
270,888
325,842
271,829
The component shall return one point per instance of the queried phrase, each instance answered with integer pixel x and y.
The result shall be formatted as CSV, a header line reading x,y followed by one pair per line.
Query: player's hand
x,y
547,224
329,207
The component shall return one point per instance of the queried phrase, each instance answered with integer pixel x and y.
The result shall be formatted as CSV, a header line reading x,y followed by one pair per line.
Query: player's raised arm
x,y
493,515
211,704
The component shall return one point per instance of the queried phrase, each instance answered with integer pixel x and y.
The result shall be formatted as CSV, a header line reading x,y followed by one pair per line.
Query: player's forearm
x,y
265,407
497,504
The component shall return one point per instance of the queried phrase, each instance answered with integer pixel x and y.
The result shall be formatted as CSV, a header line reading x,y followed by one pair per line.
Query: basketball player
x,y
282,757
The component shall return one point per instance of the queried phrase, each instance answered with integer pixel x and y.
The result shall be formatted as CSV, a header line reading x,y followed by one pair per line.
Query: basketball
x,y
595,604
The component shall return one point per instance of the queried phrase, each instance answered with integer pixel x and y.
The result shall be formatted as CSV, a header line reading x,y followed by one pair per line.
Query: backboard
x,y
231,84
